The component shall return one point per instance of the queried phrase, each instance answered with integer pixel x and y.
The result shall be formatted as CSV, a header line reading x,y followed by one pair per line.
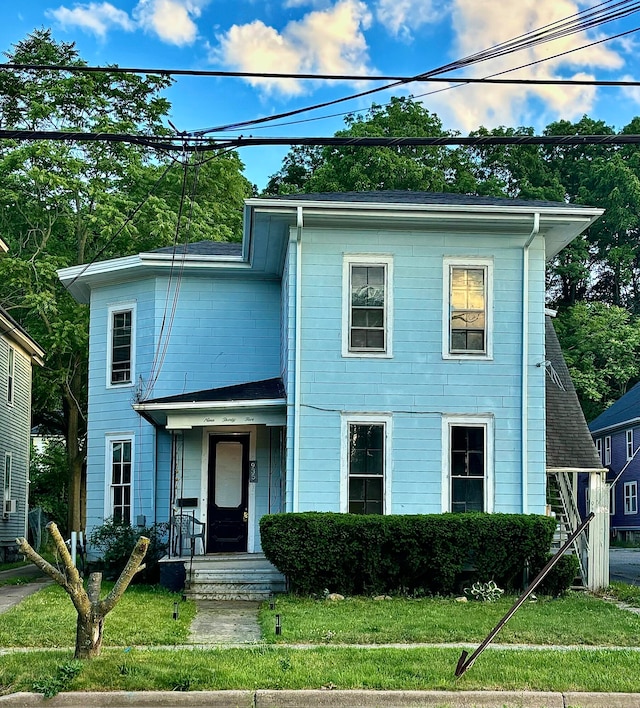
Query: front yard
x,y
134,657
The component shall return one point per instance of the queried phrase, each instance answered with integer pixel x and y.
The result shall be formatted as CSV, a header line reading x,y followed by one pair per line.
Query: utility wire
x,y
524,41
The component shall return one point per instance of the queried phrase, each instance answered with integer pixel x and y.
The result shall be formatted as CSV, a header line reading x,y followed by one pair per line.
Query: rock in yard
x,y
462,599
335,596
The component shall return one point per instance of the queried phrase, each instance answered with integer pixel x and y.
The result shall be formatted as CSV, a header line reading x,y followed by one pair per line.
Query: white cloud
x,y
480,25
402,17
171,20
93,17
327,41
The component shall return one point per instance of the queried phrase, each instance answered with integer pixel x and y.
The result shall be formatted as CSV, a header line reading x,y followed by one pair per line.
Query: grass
x,y
11,566
144,615
269,667
577,619
630,594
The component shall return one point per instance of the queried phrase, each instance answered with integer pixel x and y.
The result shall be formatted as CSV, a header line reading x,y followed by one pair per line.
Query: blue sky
x,y
404,37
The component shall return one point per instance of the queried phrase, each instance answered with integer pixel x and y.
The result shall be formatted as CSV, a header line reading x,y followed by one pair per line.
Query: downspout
x,y
298,345
525,361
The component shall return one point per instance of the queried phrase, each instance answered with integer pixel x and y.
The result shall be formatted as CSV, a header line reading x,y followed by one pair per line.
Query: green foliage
x,y
561,577
601,345
49,481
65,673
116,539
484,592
354,554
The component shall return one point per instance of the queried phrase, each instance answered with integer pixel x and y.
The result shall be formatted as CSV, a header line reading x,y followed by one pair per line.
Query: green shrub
x,y
370,554
561,576
115,541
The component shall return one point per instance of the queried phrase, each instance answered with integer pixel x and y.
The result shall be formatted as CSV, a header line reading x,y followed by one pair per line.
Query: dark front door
x,y
228,491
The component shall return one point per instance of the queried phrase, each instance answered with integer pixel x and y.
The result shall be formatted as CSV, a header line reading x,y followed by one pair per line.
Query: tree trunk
x,y
89,635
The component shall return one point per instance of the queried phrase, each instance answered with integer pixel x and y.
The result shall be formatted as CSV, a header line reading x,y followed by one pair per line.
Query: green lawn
x,y
143,616
337,667
576,619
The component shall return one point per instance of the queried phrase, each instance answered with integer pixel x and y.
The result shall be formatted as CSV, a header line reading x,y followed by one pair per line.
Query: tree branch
x,y
133,564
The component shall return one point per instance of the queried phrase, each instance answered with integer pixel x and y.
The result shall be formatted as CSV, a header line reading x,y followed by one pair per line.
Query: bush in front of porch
x,y
431,553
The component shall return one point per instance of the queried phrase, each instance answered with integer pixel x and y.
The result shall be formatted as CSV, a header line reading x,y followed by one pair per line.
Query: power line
x,y
524,41
200,144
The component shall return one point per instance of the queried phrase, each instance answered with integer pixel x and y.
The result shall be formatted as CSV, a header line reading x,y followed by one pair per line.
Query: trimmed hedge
x,y
370,554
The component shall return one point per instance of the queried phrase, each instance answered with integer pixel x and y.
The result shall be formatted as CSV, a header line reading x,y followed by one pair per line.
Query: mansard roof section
x,y
569,443
558,222
623,413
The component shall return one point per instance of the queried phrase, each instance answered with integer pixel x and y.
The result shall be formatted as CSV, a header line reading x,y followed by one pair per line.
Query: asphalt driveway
x,y
624,565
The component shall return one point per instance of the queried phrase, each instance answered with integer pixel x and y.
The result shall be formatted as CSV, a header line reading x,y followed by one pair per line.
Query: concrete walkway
x,y
11,595
225,622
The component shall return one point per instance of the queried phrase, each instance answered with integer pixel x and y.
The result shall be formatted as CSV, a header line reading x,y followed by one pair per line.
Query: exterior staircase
x,y
563,506
232,576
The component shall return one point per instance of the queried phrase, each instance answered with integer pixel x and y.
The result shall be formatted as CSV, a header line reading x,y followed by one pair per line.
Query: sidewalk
x,y
325,699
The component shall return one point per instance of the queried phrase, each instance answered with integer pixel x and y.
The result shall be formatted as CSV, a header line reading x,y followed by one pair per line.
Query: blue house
x,y
379,352
616,433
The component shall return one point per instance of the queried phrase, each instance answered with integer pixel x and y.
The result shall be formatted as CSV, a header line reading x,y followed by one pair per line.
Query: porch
x,y
223,576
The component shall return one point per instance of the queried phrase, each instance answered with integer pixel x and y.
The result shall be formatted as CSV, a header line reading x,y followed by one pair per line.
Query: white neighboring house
x,y
18,353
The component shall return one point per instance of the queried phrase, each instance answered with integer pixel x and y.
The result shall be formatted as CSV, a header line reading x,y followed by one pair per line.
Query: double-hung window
x,y
607,450
631,497
121,345
11,375
468,463
599,448
467,313
629,443
365,487
120,478
367,305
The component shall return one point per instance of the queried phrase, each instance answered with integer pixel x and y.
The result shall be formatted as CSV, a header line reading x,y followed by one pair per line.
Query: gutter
x,y
525,361
298,347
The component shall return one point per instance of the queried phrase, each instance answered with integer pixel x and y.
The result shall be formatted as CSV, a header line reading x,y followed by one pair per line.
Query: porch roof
x,y
254,402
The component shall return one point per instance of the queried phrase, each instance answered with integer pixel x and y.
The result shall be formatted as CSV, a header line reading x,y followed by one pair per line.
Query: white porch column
x,y
598,558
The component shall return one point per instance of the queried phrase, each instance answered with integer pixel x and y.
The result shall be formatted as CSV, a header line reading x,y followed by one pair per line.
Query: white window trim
x,y
367,259
632,496
111,438
462,419
607,450
629,443
366,419
113,309
467,262
612,500
11,376
599,448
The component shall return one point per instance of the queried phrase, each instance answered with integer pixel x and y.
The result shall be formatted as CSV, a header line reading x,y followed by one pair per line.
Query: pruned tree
x,y
90,608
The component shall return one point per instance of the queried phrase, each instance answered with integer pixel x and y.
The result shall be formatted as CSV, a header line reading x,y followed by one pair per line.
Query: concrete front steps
x,y
232,576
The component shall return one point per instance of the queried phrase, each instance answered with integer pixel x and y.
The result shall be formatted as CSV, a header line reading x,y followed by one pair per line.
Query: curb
x,y
325,699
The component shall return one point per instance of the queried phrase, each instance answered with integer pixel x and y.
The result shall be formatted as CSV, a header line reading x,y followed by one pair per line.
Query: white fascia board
x,y
12,330
279,205
209,405
621,426
555,470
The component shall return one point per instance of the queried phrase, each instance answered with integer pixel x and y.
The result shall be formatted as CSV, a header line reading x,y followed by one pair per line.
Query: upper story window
x,y
121,345
11,376
599,448
629,443
607,450
467,308
367,308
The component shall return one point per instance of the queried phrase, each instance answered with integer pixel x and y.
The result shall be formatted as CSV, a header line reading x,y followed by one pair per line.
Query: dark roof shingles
x,y
269,389
569,443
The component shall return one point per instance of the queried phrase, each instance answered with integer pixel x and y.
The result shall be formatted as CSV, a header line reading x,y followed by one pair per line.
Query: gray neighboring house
x,y
18,353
